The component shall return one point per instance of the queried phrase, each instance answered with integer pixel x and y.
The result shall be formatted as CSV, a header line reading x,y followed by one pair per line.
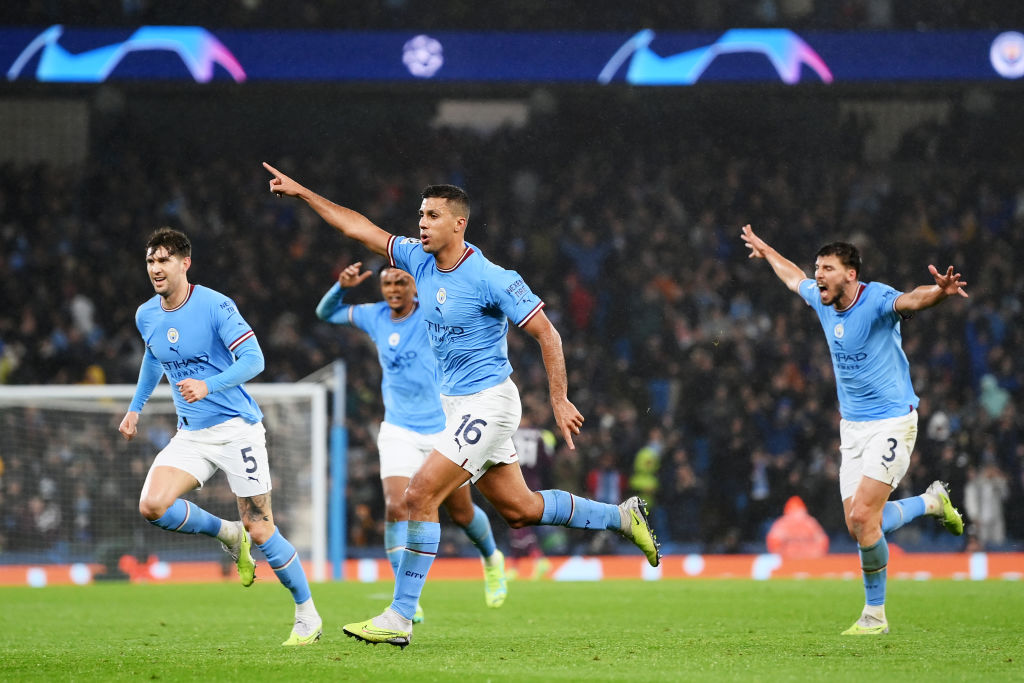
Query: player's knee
x,y
461,516
520,516
419,499
859,520
260,531
517,521
395,510
523,511
153,508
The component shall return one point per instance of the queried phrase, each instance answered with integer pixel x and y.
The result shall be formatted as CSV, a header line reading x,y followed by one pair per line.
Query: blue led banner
x,y
645,58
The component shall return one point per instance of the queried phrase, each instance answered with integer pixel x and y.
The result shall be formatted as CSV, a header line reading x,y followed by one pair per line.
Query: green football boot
x,y
867,625
304,634
241,553
637,528
369,632
495,586
949,515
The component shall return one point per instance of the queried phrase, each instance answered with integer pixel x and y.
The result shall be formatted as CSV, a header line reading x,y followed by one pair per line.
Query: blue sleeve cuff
x,y
332,308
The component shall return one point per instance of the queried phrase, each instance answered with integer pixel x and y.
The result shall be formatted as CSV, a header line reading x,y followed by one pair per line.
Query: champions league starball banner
x,y
65,54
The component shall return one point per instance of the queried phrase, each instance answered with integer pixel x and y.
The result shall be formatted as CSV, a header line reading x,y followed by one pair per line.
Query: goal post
x,y
72,483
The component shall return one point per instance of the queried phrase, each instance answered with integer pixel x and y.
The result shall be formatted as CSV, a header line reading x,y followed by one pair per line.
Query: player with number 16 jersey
x,y
466,309
467,302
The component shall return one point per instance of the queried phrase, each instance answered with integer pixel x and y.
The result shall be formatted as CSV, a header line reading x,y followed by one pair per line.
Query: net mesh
x,y
70,484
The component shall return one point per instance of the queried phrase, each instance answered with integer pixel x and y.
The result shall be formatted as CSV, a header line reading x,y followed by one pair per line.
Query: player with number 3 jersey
x,y
877,403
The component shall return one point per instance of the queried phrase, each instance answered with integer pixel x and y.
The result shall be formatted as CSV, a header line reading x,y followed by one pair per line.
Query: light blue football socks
x,y
562,508
284,560
185,517
873,562
896,513
395,534
480,533
421,544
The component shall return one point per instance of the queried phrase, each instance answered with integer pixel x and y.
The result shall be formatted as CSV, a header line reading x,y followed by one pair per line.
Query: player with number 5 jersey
x,y
877,402
467,305
197,339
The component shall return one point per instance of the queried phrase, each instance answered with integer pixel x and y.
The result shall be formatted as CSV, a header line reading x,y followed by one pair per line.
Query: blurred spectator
x,y
985,494
796,535
604,480
993,398
643,481
363,527
682,496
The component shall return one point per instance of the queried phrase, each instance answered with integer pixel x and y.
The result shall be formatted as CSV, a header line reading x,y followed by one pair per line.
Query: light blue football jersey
x,y
410,379
872,372
466,310
197,340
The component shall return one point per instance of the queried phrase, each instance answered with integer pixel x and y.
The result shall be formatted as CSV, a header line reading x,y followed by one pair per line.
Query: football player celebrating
x,y
198,339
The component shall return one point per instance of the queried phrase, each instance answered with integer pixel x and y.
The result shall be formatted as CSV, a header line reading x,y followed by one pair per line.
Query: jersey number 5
x,y
250,462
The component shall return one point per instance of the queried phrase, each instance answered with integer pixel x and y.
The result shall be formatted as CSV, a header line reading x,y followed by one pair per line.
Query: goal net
x,y
71,483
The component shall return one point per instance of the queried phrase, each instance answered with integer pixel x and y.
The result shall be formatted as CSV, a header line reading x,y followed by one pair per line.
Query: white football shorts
x,y
877,449
402,450
235,446
479,427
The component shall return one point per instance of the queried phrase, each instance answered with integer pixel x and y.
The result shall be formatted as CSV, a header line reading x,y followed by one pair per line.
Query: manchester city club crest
x,y
394,338
442,296
838,331
172,335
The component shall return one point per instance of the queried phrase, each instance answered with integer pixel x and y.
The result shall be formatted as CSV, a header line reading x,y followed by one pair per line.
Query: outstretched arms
x,y
568,419
348,222
788,272
946,285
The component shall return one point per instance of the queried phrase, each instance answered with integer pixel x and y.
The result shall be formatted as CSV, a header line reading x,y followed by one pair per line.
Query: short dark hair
x,y
453,193
388,266
847,254
174,241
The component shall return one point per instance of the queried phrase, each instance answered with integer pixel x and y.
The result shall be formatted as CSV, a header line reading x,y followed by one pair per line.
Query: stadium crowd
x,y
706,385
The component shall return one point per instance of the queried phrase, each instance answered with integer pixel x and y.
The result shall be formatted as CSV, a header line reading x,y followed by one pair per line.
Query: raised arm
x,y
350,223
790,273
332,307
946,285
568,419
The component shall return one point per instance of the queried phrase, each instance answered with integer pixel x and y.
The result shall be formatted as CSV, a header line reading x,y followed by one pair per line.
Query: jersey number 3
x,y
892,451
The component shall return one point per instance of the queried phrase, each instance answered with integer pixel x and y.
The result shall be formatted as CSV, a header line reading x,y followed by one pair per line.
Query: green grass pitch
x,y
714,630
